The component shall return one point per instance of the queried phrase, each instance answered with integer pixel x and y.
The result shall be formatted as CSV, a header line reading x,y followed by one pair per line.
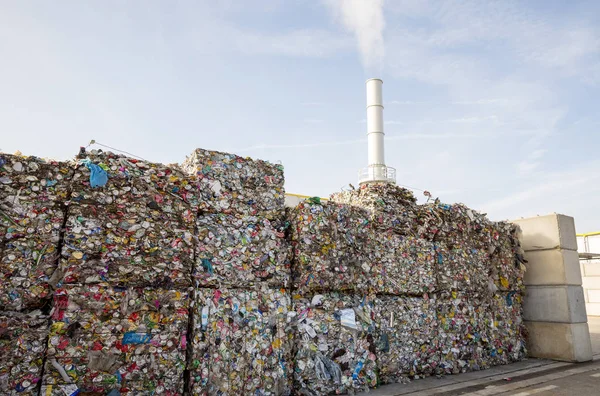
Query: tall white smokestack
x,y
376,171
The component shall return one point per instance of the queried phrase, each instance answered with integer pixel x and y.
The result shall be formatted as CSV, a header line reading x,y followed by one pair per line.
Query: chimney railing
x,y
377,174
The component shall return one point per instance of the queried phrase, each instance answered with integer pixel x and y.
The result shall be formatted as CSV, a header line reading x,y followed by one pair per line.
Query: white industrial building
x,y
588,246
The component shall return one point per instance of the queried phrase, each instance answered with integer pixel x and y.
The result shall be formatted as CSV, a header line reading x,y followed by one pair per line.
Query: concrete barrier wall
x,y
554,306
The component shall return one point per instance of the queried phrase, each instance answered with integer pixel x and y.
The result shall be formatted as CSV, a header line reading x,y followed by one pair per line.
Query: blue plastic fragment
x,y
98,176
357,370
509,298
207,265
131,337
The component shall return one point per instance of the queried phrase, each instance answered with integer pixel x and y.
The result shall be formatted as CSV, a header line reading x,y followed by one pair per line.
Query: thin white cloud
x,y
570,45
471,120
480,101
461,120
531,163
311,43
407,136
533,193
454,102
544,194
433,136
217,35
264,146
405,102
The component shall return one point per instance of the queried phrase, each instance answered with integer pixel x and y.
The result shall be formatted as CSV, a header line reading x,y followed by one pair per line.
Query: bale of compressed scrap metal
x,y
241,342
32,196
461,332
402,265
477,331
162,190
136,229
506,330
241,251
335,343
129,339
336,248
230,184
407,337
390,207
22,345
114,244
461,267
330,247
507,257
453,224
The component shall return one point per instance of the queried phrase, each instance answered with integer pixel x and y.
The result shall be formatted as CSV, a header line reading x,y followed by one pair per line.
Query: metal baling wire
x,y
92,142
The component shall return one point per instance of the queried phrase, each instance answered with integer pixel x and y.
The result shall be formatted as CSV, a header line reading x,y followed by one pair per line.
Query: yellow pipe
x,y
302,196
589,234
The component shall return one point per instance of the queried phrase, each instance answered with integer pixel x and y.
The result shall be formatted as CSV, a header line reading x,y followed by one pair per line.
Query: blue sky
x,y
490,103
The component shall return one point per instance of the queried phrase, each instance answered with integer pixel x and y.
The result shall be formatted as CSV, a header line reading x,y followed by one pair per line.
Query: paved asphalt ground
x,y
586,384
581,379
582,384
530,377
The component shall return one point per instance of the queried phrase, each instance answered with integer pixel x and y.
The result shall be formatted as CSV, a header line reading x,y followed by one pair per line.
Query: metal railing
x,y
377,173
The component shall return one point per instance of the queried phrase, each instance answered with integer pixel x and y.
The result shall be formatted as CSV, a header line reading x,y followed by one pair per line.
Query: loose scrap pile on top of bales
x,y
121,275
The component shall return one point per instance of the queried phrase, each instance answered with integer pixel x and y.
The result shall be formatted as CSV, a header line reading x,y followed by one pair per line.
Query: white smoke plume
x,y
365,19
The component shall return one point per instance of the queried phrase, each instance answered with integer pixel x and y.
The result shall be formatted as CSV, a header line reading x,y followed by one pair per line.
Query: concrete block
x,y
561,304
592,269
559,341
591,282
552,267
553,231
593,309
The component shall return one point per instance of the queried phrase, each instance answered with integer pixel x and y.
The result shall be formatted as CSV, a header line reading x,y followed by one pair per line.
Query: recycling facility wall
x,y
590,272
121,276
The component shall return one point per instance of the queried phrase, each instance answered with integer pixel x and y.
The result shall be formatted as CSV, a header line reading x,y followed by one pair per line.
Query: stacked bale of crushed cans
x,y
120,315
32,196
242,315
